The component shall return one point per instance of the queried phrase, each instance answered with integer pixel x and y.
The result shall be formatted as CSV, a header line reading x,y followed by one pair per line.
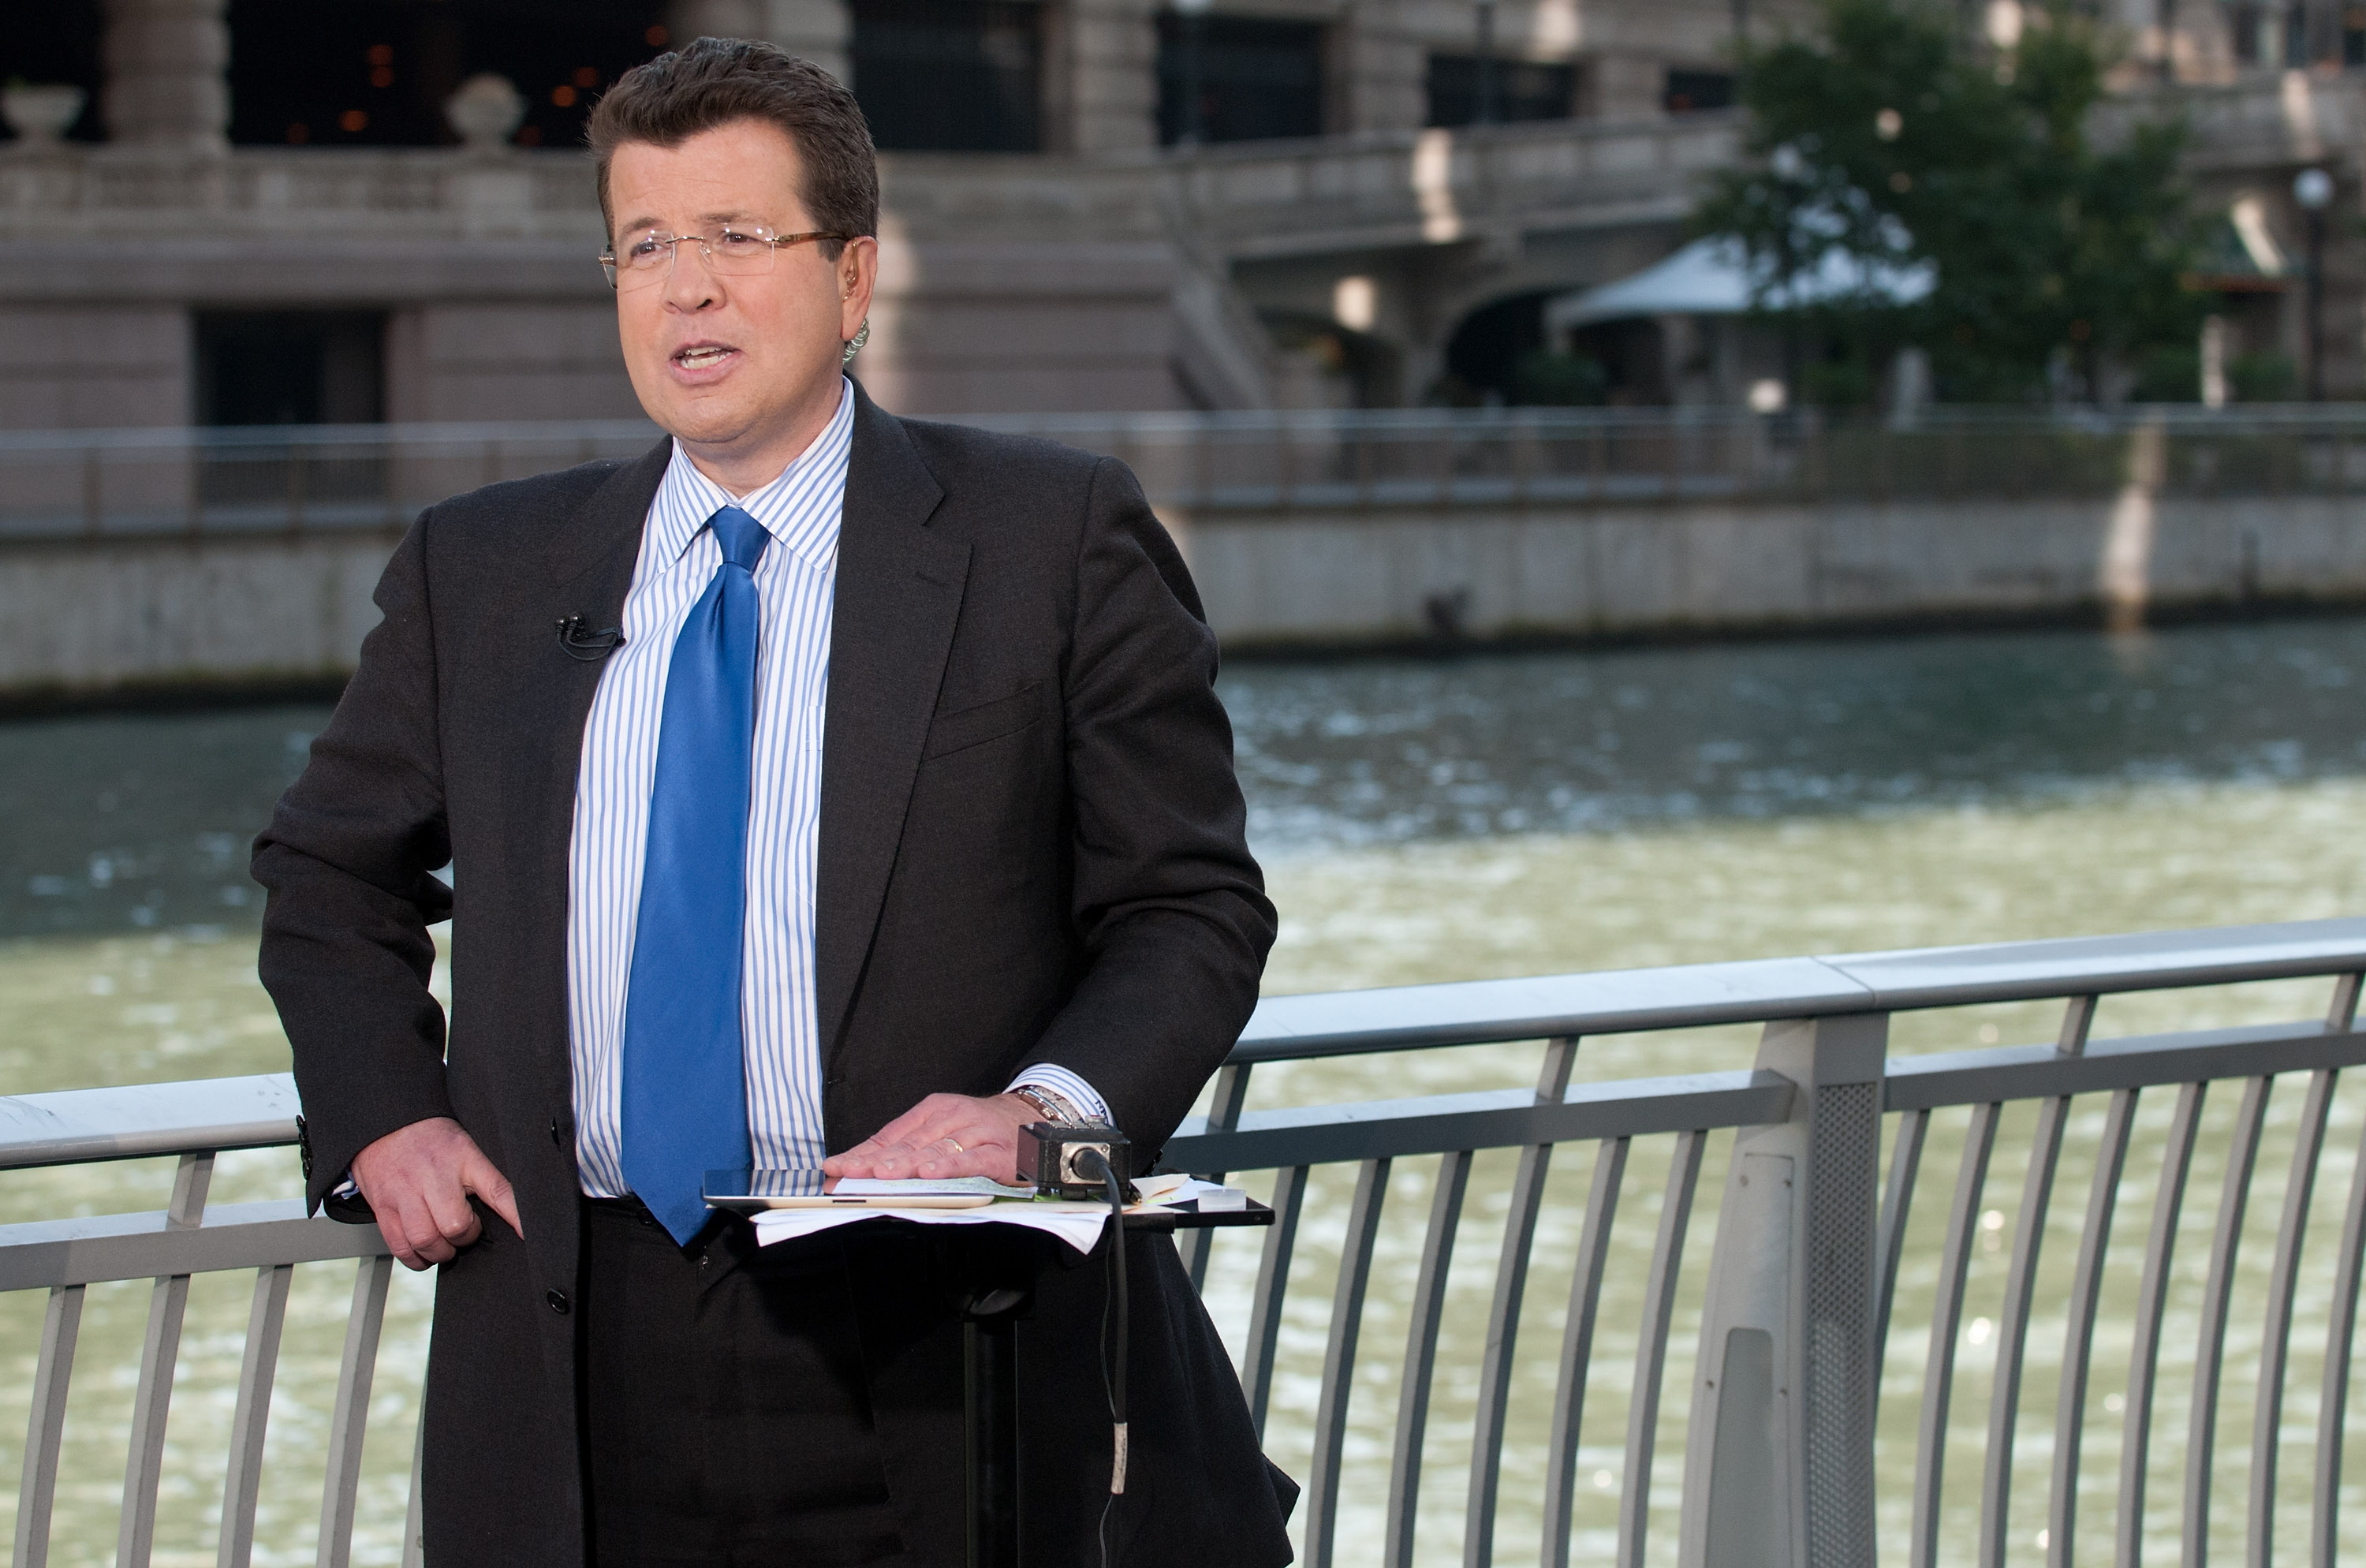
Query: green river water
x,y
1419,821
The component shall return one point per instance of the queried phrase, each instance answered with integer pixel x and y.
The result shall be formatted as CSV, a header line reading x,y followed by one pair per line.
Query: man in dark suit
x,y
872,801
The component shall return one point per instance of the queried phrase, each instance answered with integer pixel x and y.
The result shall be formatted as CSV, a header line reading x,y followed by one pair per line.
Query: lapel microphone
x,y
588,646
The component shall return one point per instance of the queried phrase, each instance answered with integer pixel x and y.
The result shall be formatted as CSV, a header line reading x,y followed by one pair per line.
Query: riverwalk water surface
x,y
1419,821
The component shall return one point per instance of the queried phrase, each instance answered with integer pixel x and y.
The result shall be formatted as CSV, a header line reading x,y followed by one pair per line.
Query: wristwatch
x,y
1050,1106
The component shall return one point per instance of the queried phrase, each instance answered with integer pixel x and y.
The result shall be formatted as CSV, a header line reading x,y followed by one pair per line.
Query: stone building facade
x,y
269,210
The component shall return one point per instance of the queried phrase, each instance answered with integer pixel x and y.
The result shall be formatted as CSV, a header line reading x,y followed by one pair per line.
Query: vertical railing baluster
x,y
2152,1302
265,1319
1651,1354
2218,1299
1421,1356
1504,1316
1272,1288
350,1420
2341,1322
2333,1400
94,517
295,479
2078,1345
2283,1280
1896,1204
2019,1293
1577,1348
414,1517
1339,1359
158,1354
2342,1014
1946,1319
45,1429
1225,1103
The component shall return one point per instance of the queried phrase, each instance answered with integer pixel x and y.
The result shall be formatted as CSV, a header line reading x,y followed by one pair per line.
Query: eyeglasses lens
x,y
738,251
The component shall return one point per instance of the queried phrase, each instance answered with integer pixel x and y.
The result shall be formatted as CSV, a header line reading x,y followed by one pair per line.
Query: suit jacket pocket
x,y
964,728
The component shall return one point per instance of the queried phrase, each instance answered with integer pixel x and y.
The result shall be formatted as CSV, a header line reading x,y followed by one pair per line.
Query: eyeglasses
x,y
734,253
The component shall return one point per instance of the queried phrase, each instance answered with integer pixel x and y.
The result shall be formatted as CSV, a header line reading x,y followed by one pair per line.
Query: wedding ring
x,y
956,1144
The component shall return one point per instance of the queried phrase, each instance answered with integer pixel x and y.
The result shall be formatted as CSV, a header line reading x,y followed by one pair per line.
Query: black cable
x,y
1114,1357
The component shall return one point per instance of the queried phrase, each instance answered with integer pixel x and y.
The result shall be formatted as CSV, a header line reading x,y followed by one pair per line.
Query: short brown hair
x,y
716,81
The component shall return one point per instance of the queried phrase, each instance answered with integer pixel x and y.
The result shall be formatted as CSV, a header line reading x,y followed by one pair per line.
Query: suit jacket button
x,y
558,1299
556,1135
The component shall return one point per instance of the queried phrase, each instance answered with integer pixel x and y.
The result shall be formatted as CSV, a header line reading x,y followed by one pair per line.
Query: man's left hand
x,y
945,1135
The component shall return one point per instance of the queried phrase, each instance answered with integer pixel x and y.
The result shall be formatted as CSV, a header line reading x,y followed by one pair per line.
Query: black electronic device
x,y
1049,1153
586,646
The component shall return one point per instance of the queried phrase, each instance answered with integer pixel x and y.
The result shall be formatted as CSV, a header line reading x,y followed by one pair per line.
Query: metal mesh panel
x,y
1844,1155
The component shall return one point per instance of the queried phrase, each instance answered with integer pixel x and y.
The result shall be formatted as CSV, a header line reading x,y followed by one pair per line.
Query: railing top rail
x,y
78,1126
1636,1000
239,437
1179,425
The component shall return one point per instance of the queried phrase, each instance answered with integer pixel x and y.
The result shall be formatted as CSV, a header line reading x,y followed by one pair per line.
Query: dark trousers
x,y
727,1422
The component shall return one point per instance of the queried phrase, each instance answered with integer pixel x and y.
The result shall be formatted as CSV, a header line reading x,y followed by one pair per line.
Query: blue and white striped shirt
x,y
795,583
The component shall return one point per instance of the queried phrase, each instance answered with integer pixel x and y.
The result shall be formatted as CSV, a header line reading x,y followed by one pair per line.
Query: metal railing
x,y
257,481
1377,460
94,485
1784,1439
196,1122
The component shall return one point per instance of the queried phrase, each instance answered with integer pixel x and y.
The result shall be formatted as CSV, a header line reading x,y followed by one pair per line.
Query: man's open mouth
x,y
699,356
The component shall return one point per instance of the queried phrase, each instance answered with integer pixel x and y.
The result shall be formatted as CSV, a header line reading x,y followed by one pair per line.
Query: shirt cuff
x,y
1065,1087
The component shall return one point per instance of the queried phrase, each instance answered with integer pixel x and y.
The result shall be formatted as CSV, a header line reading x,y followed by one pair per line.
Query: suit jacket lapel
x,y
899,594
610,525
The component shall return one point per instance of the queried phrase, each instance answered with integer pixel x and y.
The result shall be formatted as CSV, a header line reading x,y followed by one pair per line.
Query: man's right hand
x,y
419,1180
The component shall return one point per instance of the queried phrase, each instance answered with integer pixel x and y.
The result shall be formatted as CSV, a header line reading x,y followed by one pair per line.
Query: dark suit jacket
x,y
1030,850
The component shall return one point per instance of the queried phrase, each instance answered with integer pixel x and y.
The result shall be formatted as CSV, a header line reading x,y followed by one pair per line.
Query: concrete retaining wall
x,y
83,619
89,617
1316,578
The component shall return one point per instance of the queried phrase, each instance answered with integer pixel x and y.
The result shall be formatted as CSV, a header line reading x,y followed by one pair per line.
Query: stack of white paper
x,y
1079,1224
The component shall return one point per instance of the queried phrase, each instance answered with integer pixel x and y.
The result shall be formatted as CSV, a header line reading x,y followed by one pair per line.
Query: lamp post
x,y
1193,129
1487,111
2312,189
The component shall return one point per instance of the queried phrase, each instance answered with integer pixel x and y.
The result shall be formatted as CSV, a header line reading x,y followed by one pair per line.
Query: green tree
x,y
1890,139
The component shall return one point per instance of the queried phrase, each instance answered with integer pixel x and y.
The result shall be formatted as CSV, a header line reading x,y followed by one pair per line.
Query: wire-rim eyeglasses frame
x,y
727,251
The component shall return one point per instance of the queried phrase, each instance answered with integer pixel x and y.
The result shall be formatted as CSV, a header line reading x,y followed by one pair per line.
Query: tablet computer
x,y
752,1192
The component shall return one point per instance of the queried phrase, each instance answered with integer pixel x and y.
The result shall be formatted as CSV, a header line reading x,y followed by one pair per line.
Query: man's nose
x,y
691,284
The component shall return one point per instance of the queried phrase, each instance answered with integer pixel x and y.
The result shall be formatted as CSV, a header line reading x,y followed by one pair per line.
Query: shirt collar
x,y
800,509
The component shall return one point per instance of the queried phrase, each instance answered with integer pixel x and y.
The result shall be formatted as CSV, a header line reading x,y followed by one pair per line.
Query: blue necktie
x,y
685,1092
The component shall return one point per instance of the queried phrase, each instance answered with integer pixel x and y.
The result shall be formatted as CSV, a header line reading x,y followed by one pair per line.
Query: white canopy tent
x,y
1715,278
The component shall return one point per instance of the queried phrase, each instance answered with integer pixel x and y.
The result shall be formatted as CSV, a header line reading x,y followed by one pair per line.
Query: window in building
x,y
1523,89
55,44
376,73
2353,36
949,76
2295,36
1258,80
1691,91
290,367
2244,27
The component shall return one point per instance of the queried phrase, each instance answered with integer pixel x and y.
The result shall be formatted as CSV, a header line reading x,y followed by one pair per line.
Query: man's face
x,y
734,365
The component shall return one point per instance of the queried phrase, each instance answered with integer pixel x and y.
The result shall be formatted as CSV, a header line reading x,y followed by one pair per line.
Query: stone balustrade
x,y
1247,200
